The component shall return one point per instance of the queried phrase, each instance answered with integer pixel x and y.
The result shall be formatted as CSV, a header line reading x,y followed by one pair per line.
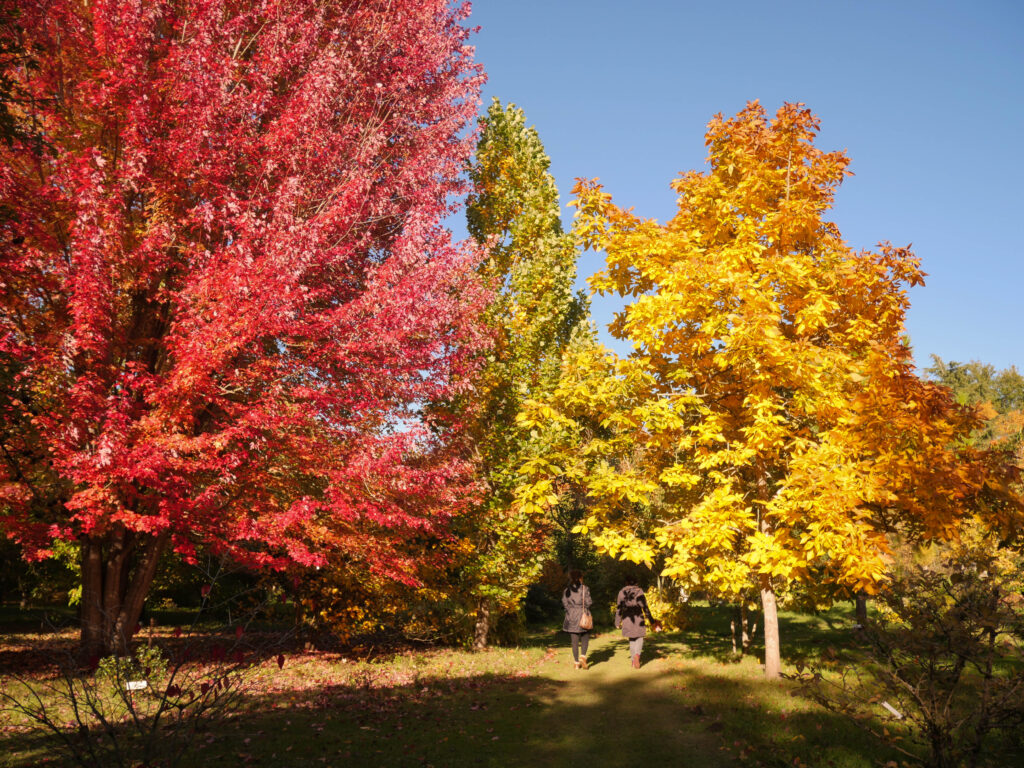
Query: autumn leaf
x,y
769,429
228,290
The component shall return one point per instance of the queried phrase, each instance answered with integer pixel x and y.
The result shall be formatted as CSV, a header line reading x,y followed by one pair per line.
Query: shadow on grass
x,y
672,715
550,636
14,618
682,708
678,718
804,636
596,657
36,653
543,636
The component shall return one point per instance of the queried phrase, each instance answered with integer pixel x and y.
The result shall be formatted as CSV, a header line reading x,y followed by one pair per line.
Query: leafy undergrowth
x,y
689,704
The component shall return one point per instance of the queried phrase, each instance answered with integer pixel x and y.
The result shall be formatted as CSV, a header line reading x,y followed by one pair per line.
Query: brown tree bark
x,y
116,576
483,624
91,641
742,629
772,650
862,609
769,605
135,593
749,630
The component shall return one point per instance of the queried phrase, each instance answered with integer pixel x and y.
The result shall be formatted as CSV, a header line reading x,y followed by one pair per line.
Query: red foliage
x,y
226,290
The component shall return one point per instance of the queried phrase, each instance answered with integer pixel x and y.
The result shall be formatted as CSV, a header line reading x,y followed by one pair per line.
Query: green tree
x,y
531,265
998,397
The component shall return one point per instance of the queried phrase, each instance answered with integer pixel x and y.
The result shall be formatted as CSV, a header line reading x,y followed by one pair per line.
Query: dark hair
x,y
575,578
630,581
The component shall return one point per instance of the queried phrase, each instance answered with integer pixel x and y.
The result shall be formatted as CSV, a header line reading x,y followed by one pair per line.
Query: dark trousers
x,y
580,641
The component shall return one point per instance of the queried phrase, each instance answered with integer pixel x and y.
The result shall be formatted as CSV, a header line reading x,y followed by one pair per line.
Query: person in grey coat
x,y
576,600
630,611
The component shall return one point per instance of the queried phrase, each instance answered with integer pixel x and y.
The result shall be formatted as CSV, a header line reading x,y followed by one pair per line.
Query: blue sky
x,y
926,97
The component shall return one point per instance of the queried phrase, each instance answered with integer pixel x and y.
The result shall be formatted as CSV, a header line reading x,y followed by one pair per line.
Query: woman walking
x,y
630,611
576,601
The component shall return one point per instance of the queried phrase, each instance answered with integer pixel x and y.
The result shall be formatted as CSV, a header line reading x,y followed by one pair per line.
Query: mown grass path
x,y
689,705
614,715
528,707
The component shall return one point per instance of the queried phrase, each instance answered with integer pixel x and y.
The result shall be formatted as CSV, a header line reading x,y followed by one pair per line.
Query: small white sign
x,y
136,685
892,710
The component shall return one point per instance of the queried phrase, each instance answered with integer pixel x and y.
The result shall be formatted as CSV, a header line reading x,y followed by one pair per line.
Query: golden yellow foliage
x,y
769,427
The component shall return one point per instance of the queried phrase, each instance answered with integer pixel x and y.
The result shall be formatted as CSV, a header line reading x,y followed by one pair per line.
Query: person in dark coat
x,y
576,600
631,610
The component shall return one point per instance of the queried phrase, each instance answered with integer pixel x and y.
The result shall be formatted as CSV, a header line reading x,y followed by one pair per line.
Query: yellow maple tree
x,y
769,427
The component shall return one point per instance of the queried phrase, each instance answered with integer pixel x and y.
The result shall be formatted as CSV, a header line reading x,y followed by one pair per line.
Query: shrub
x,y
944,658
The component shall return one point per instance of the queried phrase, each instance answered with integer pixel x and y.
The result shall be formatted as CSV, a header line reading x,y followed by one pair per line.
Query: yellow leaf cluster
x,y
769,427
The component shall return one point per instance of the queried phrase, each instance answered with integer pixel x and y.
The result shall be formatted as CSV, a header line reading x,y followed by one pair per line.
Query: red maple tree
x,y
226,289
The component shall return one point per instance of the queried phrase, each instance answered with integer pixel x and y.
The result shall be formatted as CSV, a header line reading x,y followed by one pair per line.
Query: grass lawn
x,y
689,705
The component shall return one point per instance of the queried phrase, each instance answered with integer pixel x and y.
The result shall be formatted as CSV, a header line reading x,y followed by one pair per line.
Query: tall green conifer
x,y
513,212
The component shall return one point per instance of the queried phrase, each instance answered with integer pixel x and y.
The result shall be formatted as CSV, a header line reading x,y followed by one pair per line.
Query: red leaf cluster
x,y
226,293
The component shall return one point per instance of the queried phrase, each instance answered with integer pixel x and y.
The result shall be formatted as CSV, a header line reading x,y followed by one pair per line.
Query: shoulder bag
x,y
586,620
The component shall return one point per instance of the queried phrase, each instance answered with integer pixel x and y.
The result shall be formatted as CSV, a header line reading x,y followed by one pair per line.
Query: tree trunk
x,y
92,643
23,592
113,592
115,579
483,624
862,609
135,593
772,654
748,630
742,630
